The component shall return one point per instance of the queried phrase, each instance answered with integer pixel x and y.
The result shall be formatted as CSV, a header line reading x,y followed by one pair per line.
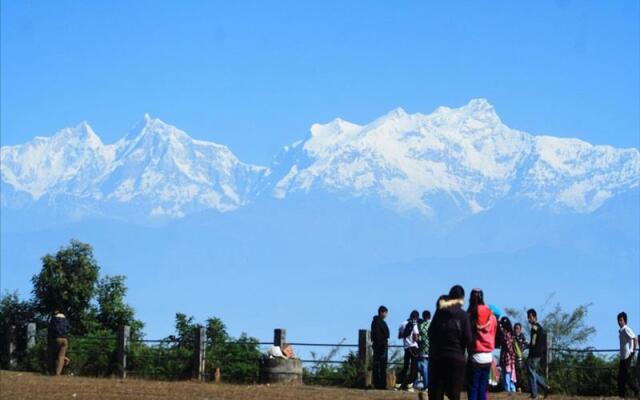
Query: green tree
x,y
112,310
17,313
568,329
67,283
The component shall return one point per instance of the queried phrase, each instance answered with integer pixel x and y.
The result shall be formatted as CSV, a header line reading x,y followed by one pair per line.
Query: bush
x,y
584,374
324,372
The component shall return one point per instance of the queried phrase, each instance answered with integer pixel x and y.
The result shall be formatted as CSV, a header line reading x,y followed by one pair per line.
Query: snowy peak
x,y
450,163
395,114
82,132
465,156
49,164
157,169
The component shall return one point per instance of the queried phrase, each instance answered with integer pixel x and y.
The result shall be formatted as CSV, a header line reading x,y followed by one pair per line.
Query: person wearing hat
x,y
59,341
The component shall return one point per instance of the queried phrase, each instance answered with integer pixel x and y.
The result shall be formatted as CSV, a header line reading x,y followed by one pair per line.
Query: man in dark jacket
x,y
537,350
58,341
380,339
449,337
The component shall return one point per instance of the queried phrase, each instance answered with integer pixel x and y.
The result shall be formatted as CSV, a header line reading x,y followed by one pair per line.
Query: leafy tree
x,y
112,311
67,283
18,313
238,359
569,329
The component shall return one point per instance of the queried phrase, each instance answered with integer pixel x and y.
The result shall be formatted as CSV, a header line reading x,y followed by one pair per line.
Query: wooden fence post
x,y
11,347
199,353
549,355
31,335
279,337
123,347
364,339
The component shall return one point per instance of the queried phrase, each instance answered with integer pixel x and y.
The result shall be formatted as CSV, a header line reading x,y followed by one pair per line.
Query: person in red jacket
x,y
483,326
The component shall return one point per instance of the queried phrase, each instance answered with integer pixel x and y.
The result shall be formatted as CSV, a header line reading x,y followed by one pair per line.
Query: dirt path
x,y
28,386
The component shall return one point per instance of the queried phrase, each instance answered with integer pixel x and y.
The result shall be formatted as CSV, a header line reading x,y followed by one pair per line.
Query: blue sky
x,y
256,75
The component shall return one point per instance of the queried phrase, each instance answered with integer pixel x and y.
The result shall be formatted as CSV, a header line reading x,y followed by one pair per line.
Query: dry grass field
x,y
29,386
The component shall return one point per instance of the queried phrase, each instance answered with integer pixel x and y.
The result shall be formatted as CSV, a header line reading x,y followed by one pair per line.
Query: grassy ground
x,y
23,385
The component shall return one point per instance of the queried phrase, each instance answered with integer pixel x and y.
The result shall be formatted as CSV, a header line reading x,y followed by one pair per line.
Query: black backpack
x,y
408,330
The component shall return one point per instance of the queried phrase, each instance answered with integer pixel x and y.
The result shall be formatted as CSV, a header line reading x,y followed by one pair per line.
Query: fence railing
x,y
121,349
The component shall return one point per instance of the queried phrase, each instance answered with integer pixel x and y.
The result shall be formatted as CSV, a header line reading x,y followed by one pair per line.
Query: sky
x,y
255,75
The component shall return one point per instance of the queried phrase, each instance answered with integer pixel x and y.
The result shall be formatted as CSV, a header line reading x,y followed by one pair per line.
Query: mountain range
x,y
353,216
448,164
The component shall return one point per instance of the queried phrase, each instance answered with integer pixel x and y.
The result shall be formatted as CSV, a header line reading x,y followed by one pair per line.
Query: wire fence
x,y
174,358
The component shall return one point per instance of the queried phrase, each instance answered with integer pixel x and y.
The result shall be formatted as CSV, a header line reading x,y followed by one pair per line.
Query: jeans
x,y
409,371
423,371
446,376
508,385
478,381
625,377
380,359
535,378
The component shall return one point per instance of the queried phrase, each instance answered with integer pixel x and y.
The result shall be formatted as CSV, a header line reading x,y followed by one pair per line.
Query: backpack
x,y
408,330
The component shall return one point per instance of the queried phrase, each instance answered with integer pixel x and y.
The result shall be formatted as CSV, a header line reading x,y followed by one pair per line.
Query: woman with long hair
x,y
508,356
484,327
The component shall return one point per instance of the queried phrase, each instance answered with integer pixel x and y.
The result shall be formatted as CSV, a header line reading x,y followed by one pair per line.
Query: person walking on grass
x,y
537,349
508,356
484,328
449,337
627,349
409,333
380,340
423,350
58,341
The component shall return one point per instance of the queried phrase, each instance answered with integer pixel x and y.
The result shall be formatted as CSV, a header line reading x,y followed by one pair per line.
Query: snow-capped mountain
x,y
466,156
157,170
462,159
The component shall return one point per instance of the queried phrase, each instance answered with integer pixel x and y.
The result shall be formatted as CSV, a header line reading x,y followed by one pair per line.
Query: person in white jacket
x,y
409,333
628,344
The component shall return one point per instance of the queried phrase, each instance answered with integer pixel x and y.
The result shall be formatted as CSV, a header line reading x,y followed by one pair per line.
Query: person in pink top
x,y
508,356
483,326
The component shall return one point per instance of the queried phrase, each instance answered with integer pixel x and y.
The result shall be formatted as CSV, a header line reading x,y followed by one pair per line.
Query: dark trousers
x,y
478,382
57,354
446,376
379,366
625,378
409,371
535,376
520,374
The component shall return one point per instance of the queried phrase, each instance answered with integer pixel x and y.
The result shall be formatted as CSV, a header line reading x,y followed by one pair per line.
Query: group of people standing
x,y
457,346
